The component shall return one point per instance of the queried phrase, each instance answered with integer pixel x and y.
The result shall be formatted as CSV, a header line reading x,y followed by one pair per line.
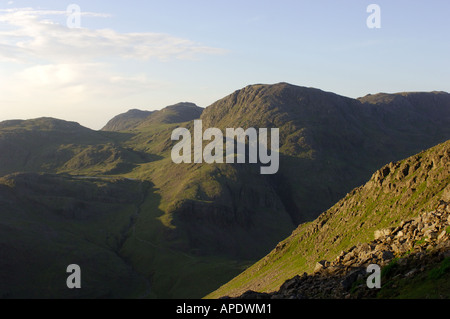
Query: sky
x,y
118,55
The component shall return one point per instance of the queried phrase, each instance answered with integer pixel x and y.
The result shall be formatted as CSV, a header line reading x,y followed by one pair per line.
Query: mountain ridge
x,y
134,118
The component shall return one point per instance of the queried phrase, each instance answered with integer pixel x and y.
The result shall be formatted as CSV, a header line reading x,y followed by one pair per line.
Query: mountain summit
x,y
328,137
178,113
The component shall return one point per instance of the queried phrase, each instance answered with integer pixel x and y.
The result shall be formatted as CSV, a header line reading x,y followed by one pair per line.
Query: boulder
x,y
382,233
321,265
351,277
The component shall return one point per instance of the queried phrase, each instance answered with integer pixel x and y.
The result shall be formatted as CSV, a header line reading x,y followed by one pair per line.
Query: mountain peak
x,y
134,118
182,105
283,105
43,124
177,113
127,120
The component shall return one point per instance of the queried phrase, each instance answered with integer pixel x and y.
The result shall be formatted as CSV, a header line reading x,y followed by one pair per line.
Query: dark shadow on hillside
x,y
48,222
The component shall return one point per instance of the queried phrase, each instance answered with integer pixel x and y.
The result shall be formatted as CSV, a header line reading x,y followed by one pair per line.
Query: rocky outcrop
x,y
398,191
239,212
414,246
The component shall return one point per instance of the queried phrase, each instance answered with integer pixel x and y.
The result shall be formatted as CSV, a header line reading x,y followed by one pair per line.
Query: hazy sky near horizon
x,y
150,54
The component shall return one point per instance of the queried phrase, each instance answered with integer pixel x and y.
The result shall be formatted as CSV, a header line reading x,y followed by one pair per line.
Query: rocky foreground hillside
x,y
418,249
375,223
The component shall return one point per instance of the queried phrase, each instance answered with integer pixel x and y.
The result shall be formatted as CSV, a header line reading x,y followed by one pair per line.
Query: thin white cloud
x,y
29,35
88,80
82,92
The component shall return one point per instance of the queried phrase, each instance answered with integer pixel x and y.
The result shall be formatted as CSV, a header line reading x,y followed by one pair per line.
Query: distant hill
x,y
127,121
178,113
57,146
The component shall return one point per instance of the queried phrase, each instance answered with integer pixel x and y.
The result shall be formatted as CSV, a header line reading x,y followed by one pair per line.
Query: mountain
x,y
396,193
193,227
56,146
127,121
178,113
330,144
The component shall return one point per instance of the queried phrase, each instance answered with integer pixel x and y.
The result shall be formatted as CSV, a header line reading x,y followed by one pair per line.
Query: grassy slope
x,y
160,239
433,283
59,220
150,246
56,146
388,198
153,255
